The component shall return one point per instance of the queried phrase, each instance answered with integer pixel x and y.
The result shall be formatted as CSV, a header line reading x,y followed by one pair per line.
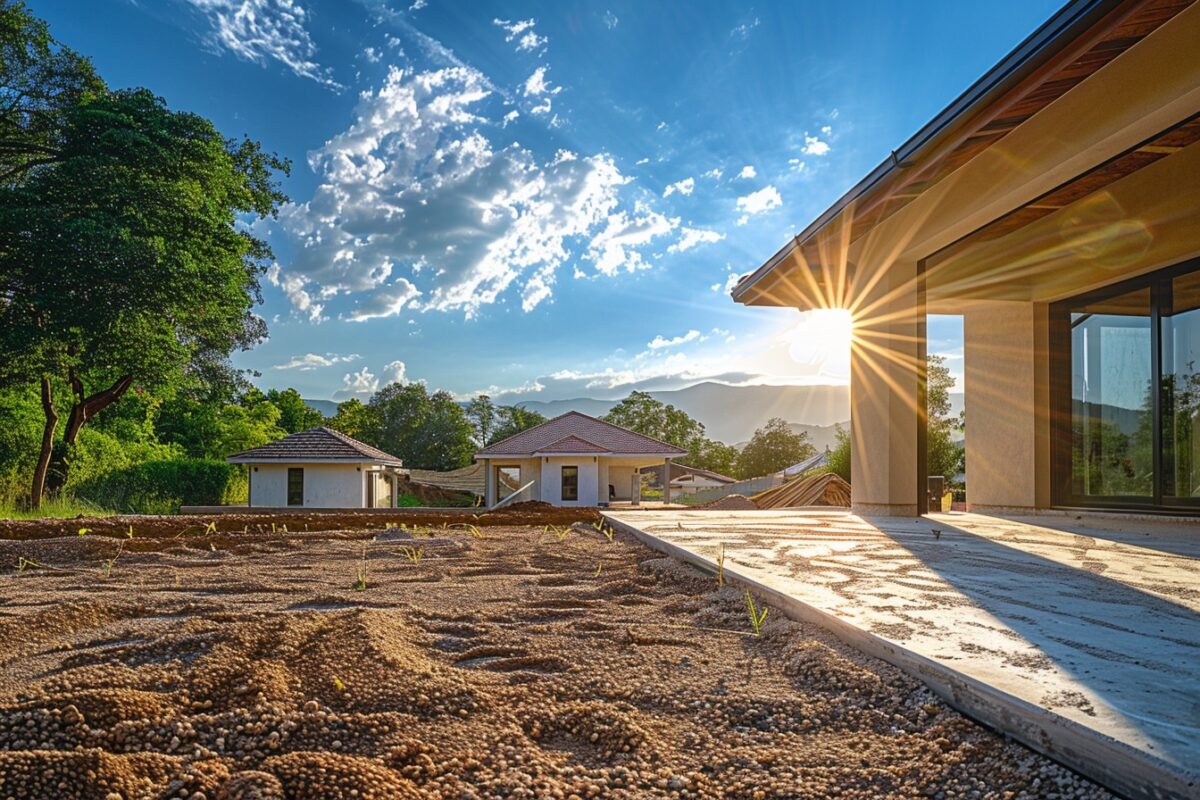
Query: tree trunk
x,y
43,463
82,411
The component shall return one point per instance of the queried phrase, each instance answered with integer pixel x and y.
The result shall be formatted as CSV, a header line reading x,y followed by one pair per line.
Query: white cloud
x,y
361,384
394,372
715,173
373,55
813,146
418,5
311,361
641,161
415,207
764,199
610,19
748,172
659,342
796,165
264,30
537,84
744,30
684,187
522,32
691,237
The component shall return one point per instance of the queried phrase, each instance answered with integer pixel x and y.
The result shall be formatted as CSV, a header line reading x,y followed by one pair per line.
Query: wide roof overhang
x,y
1063,149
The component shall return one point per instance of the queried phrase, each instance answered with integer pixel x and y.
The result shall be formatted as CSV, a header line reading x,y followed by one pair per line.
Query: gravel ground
x,y
514,662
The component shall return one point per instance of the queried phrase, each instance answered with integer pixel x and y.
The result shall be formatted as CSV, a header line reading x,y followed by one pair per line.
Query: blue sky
x,y
546,200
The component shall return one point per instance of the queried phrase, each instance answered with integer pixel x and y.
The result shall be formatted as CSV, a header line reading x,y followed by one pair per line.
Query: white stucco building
x,y
574,460
320,468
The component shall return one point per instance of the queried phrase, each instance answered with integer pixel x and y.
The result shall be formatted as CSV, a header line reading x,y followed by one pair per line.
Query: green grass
x,y
55,508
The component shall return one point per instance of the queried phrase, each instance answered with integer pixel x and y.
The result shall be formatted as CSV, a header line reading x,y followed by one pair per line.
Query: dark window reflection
x,y
1181,389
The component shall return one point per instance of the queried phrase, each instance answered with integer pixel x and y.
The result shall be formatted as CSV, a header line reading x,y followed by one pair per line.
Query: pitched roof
x,y
679,471
315,444
579,433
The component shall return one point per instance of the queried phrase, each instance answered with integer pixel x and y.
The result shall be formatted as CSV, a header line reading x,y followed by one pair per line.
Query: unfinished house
x,y
1055,205
573,460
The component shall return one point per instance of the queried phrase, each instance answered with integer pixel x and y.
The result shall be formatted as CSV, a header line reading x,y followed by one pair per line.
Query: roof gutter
x,y
1040,46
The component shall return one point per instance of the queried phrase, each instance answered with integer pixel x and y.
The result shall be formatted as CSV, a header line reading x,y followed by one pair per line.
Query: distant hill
x,y
730,414
326,407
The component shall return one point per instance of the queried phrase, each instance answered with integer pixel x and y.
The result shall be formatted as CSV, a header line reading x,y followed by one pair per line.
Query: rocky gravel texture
x,y
500,662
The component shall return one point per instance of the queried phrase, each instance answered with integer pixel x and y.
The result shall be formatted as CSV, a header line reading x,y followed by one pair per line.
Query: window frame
x,y
294,471
1160,284
562,487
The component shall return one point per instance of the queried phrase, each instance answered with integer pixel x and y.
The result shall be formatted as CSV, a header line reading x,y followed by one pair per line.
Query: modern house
x,y
574,460
687,480
320,468
1055,205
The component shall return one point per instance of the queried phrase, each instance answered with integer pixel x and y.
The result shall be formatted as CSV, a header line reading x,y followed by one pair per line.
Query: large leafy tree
x,y
426,430
355,418
511,420
295,415
481,412
642,413
124,262
773,447
716,456
945,455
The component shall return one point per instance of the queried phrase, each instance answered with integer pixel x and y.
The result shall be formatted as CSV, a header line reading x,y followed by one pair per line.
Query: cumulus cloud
x,y
814,146
691,237
311,361
748,172
764,199
416,208
715,174
361,384
659,342
262,31
394,372
522,33
684,187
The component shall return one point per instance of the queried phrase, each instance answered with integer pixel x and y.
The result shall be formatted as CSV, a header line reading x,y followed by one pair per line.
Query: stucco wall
x,y
551,480
1004,366
325,485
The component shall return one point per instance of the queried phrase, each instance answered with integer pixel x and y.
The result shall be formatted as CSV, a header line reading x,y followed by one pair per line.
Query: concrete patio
x,y
1079,637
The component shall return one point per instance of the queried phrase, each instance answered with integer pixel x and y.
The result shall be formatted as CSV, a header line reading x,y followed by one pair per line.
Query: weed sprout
x,y
757,616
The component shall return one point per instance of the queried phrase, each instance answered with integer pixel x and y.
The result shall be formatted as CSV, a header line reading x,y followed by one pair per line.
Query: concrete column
x,y
884,378
489,483
667,481
1006,377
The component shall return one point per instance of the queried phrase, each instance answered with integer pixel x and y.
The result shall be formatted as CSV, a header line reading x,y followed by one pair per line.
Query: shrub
x,y
161,487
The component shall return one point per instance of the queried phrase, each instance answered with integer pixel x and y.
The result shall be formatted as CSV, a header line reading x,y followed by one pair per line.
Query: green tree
x,y
944,454
511,420
295,415
426,431
642,413
481,412
773,447
839,455
354,418
124,261
206,429
715,456
40,81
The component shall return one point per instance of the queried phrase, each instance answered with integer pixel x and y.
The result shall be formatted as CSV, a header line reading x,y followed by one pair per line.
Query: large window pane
x,y
1112,424
1181,390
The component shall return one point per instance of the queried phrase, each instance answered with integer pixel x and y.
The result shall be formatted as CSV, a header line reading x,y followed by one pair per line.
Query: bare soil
x,y
368,664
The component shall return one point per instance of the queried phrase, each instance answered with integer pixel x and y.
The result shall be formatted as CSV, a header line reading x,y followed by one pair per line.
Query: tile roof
x,y
572,444
595,433
315,444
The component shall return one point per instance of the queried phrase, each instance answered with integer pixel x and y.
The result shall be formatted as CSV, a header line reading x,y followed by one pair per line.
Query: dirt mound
x,y
731,502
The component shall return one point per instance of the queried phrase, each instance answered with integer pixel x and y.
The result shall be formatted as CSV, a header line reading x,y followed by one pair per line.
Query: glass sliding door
x,y
1126,408
1181,391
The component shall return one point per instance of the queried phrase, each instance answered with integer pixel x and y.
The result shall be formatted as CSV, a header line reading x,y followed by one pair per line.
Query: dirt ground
x,y
503,662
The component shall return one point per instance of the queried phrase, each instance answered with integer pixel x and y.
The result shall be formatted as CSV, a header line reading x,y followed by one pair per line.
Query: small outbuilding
x,y
320,468
574,460
688,480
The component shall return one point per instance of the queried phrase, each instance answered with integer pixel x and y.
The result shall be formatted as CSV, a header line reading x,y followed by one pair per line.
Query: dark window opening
x,y
295,486
570,483
1126,399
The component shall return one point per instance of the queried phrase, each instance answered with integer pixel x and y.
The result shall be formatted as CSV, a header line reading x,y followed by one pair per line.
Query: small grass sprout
x,y
272,527
598,568
210,528
471,529
413,554
24,563
721,566
607,530
107,566
129,533
757,616
84,531
360,572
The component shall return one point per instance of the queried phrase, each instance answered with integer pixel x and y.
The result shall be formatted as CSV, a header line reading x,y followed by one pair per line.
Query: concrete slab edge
x,y
1113,764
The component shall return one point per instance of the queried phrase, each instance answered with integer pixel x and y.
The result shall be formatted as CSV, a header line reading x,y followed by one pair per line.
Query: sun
x,y
821,342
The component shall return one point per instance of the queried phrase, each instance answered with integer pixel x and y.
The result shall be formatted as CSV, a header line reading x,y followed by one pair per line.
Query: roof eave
x,y
1052,36
238,459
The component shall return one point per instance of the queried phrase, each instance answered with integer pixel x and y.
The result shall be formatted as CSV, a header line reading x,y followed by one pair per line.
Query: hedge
x,y
161,487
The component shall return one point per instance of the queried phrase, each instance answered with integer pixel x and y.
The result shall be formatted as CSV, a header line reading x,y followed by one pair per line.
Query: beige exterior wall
x,y
325,485
1005,365
883,395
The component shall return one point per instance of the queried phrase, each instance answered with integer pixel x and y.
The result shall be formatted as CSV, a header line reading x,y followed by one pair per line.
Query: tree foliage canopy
x,y
773,447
